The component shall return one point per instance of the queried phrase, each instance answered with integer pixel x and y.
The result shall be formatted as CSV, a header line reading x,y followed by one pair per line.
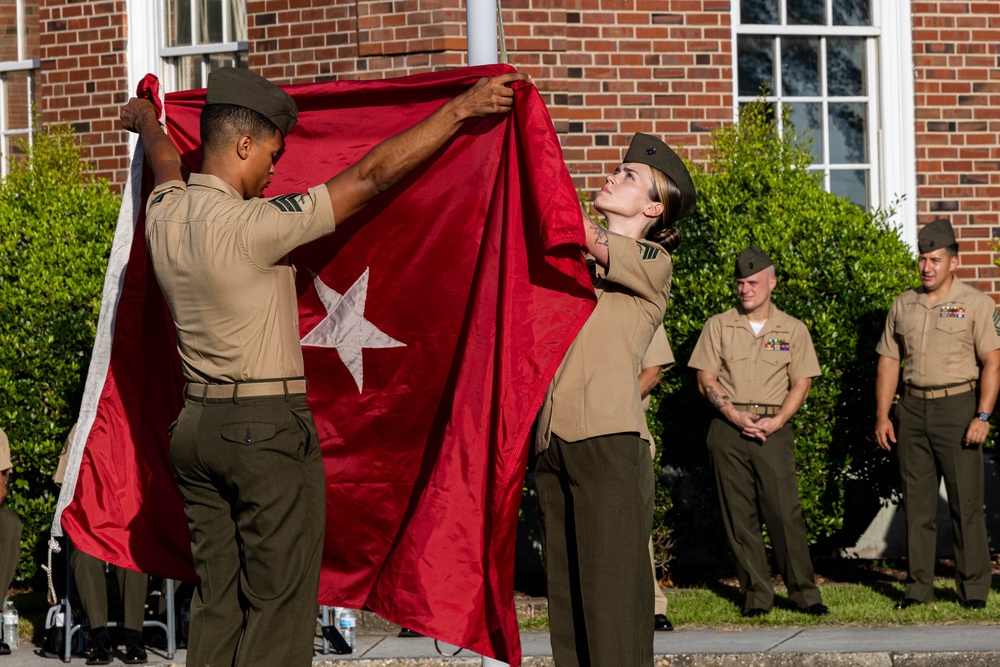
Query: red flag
x,y
461,288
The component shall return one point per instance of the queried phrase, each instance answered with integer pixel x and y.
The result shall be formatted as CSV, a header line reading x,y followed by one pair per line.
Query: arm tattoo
x,y
716,399
600,232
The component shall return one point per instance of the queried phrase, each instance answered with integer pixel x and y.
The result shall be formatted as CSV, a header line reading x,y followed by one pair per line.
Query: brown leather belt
x,y
758,408
250,389
930,393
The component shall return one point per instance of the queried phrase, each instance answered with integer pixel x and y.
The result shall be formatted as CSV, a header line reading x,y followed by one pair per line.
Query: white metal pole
x,y
481,28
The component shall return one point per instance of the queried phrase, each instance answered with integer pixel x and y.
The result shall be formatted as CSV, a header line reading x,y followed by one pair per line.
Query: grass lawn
x,y
862,593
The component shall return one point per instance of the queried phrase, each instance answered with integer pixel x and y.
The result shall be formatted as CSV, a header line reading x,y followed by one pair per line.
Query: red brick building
x,y
904,96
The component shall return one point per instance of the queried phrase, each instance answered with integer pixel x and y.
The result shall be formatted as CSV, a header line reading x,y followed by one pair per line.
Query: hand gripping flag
x,y
432,323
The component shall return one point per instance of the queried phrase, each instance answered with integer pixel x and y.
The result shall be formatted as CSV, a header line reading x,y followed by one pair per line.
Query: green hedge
x,y
839,269
56,226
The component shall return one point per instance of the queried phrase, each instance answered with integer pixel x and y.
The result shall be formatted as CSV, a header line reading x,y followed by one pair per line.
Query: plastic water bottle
x,y
348,624
10,620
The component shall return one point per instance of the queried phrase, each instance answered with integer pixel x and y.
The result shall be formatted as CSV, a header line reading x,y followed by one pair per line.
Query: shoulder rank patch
x,y
952,311
777,345
157,199
291,203
648,252
996,321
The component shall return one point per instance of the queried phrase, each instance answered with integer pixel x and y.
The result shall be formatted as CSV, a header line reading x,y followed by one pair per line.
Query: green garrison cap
x,y
934,235
751,261
647,149
235,85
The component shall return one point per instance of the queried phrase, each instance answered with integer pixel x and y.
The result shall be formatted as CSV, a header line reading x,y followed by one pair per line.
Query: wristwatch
x,y
983,416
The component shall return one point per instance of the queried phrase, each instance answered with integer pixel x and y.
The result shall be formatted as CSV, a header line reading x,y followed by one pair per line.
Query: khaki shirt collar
x,y
953,290
213,182
777,321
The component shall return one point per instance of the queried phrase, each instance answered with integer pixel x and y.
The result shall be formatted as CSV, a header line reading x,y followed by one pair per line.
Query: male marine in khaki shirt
x,y
755,365
946,334
244,448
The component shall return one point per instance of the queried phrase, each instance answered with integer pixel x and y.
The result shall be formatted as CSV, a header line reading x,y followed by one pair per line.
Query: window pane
x,y
759,11
237,20
845,63
755,56
852,12
189,73
19,96
800,66
852,184
806,121
806,12
848,129
210,23
178,22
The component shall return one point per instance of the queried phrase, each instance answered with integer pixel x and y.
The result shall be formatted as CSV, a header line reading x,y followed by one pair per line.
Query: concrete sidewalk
x,y
909,646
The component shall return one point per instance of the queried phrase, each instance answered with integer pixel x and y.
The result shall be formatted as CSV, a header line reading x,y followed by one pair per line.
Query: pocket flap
x,y
248,433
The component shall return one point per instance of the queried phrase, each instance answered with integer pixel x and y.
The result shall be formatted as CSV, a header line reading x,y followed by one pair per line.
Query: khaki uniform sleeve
x,y
985,335
658,353
707,351
888,345
804,363
276,226
5,463
164,192
641,267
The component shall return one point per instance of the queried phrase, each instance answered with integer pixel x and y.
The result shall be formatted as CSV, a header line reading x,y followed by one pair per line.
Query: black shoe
x,y
907,603
974,604
4,648
406,632
135,654
754,612
100,654
818,609
661,623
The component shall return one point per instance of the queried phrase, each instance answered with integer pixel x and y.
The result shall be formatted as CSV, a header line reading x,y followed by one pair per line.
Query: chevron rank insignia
x,y
648,252
158,199
996,321
291,203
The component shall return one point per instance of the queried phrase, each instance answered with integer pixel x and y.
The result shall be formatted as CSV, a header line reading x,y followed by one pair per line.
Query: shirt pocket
x,y
776,358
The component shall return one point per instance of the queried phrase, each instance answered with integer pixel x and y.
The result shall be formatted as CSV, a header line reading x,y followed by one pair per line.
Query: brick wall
x,y
605,68
84,78
956,49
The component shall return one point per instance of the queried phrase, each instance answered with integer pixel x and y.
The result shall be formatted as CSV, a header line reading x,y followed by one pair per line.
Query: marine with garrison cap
x,y
594,474
244,447
946,335
755,366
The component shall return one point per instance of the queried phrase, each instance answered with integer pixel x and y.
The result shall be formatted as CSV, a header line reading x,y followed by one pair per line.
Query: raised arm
x,y
139,116
387,163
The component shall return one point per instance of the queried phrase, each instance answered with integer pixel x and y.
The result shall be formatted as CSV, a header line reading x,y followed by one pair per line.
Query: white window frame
x,y
22,64
890,99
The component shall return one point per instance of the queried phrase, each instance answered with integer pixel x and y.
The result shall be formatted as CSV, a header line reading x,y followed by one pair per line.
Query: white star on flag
x,y
345,328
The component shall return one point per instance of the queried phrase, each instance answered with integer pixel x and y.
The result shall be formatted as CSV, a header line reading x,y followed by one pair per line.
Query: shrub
x,y
839,269
56,225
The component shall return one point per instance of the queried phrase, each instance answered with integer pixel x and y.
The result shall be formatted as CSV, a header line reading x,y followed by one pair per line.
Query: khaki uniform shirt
x,y
5,463
595,390
755,368
657,354
940,345
222,265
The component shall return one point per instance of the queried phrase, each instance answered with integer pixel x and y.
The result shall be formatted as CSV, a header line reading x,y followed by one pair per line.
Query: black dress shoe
x,y
818,609
100,654
406,632
135,654
661,623
754,612
974,604
4,648
907,603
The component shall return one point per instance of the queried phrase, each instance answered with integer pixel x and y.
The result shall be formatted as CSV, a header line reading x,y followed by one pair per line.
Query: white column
x,y
481,28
